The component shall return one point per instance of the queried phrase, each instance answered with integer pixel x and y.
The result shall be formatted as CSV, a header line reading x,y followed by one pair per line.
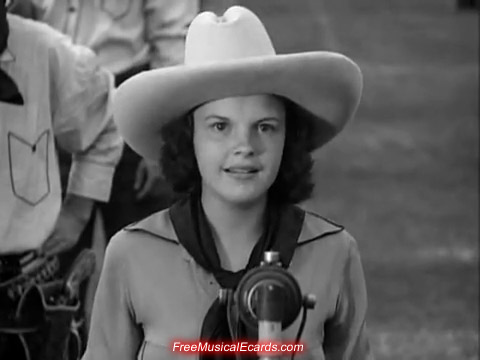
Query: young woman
x,y
234,129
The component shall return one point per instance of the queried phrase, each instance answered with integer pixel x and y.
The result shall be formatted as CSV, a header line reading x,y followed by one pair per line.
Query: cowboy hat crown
x,y
232,55
238,34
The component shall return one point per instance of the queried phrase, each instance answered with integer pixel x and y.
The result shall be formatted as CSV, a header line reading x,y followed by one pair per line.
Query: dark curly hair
x,y
292,185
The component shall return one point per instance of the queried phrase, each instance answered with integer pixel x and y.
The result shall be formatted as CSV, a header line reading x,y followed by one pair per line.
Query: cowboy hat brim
x,y
323,86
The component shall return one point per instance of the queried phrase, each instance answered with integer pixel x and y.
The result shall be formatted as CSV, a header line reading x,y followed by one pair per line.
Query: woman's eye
x,y
219,126
266,127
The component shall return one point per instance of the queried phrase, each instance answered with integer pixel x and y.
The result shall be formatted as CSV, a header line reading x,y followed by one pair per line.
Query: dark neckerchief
x,y
283,225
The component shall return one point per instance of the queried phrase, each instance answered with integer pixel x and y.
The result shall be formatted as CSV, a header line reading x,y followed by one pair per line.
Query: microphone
x,y
269,305
269,300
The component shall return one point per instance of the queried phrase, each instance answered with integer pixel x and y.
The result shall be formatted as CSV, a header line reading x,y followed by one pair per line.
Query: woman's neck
x,y
236,229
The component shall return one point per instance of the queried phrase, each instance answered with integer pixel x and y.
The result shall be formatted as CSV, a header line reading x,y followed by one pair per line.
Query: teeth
x,y
240,171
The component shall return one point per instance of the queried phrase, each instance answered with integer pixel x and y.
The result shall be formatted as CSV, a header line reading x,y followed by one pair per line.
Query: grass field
x,y
403,177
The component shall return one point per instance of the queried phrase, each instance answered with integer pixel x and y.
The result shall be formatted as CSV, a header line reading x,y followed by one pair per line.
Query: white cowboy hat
x,y
232,55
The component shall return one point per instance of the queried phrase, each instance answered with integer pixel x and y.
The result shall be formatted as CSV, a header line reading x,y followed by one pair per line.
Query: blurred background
x,y
403,177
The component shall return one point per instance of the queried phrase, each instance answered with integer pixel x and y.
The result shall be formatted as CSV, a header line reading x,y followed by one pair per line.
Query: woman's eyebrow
x,y
226,118
216,117
270,118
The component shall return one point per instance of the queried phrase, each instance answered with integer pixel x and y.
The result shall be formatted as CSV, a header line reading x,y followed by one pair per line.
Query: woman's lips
x,y
242,172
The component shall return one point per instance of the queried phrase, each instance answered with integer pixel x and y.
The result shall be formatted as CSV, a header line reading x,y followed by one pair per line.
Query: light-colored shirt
x,y
67,101
124,33
152,293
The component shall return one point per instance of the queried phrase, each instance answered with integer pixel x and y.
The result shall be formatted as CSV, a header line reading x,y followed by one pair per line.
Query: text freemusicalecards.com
x,y
205,347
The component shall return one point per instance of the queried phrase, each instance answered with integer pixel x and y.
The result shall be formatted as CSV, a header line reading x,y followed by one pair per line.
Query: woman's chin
x,y
244,198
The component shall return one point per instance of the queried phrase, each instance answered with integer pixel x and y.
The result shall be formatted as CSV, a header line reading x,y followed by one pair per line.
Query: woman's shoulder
x,y
144,253
318,230
324,245
155,231
157,226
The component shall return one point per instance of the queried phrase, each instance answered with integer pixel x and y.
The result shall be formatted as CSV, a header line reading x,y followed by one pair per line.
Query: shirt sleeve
x,y
166,26
81,96
114,333
345,336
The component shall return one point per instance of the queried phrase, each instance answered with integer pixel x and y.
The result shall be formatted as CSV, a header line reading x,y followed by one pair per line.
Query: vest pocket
x,y
29,165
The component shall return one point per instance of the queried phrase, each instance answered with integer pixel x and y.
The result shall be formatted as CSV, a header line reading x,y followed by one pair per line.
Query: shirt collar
x,y
160,225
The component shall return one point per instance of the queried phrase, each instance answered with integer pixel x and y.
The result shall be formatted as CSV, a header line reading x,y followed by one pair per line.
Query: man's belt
x,y
126,74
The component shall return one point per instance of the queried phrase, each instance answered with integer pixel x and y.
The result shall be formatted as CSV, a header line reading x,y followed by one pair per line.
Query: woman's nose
x,y
245,142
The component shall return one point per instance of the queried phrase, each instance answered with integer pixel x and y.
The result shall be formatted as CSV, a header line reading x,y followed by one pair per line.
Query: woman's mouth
x,y
242,172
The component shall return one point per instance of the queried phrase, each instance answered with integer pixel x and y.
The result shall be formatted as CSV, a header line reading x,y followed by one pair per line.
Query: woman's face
x,y
238,144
